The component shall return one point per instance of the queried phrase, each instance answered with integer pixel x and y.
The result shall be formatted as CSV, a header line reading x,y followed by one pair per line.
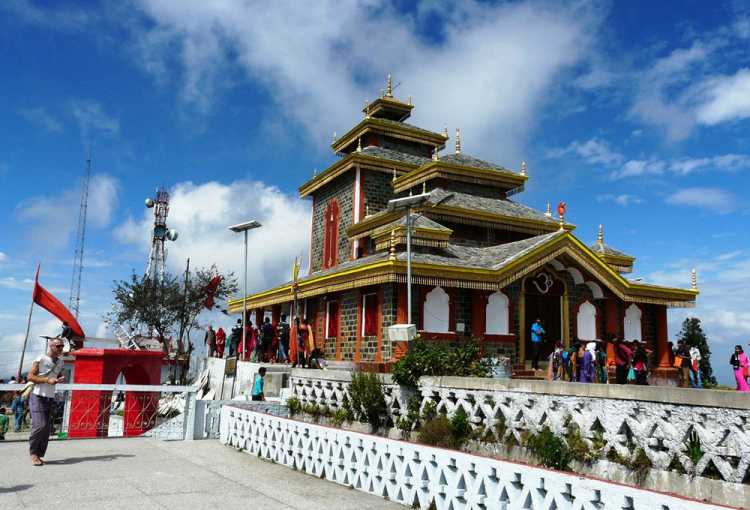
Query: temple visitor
x,y
601,363
640,364
623,355
587,367
695,367
297,345
741,367
209,341
556,363
683,361
537,336
267,334
17,407
3,424
257,393
248,347
580,351
221,340
283,334
45,374
235,336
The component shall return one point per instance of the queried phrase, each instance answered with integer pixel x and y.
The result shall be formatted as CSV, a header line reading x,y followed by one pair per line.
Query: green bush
x,y
460,426
579,448
437,432
340,416
550,450
294,405
437,359
311,408
367,399
429,411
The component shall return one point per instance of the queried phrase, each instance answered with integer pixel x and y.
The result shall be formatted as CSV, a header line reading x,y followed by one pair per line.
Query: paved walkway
x,y
147,473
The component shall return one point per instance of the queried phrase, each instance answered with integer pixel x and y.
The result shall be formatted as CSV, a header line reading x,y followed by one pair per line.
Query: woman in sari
x,y
741,367
309,339
587,368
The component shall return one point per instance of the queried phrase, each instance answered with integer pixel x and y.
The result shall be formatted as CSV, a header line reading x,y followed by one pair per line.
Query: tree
x,y
693,336
164,308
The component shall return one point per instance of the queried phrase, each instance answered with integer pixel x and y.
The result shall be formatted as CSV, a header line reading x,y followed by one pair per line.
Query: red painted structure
x,y
89,410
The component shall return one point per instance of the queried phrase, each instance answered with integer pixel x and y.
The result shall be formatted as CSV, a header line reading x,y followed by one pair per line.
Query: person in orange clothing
x,y
251,337
294,334
309,340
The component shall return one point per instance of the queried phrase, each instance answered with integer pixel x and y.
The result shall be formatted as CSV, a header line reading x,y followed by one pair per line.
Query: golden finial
x,y
435,154
600,236
389,86
410,192
393,245
424,187
458,141
315,172
445,131
548,214
694,279
523,168
409,102
334,137
359,144
394,174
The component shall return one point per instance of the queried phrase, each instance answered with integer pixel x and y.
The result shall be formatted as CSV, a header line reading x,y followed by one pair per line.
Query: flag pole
x,y
28,326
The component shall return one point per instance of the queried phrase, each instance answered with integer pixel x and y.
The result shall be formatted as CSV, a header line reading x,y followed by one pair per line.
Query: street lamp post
x,y
244,227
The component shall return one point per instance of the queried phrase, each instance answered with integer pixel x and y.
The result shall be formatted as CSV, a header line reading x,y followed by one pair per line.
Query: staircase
x,y
524,371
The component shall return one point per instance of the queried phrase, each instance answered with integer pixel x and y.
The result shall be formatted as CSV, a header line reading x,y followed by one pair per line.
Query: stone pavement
x,y
148,474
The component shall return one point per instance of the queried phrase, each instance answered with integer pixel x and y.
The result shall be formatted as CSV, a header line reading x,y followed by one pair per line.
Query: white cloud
x,y
725,98
202,212
65,18
92,119
593,152
52,219
711,199
11,282
41,118
623,199
488,74
3,257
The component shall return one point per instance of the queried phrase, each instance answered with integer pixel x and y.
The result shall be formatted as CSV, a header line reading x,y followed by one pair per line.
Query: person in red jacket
x,y
221,341
623,355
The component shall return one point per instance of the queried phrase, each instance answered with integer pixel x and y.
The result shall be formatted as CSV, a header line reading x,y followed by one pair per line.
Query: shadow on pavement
x,y
77,460
15,488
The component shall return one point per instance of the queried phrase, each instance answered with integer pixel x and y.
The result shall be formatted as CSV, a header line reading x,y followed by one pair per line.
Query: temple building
x,y
483,265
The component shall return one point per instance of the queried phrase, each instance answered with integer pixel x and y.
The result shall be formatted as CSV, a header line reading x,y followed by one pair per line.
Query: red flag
x,y
46,300
210,291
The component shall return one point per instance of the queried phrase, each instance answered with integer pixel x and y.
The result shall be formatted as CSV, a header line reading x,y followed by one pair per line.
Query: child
x,y
258,385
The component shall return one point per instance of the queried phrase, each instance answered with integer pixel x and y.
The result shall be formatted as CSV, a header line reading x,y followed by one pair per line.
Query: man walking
x,y
45,374
695,367
17,407
537,334
210,341
283,331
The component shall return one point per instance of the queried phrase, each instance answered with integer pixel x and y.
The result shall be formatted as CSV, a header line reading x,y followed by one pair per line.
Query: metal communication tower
x,y
157,259
75,284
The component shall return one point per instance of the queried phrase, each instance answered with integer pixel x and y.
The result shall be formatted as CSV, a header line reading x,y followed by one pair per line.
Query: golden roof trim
x,y
393,128
441,169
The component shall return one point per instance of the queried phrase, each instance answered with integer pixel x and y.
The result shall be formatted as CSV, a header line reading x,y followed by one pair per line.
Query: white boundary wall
x,y
413,474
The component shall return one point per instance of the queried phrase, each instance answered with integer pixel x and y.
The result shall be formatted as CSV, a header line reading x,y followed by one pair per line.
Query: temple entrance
x,y
543,299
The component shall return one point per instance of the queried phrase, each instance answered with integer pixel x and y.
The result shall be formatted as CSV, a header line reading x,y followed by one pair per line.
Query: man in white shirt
x,y
45,374
695,367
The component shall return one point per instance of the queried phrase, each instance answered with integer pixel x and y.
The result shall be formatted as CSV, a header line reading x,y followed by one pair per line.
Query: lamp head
x,y
241,227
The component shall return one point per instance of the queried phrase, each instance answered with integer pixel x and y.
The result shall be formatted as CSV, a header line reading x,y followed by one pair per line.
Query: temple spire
x,y
600,236
523,168
389,86
694,279
548,214
394,174
359,144
445,131
458,141
393,245
435,156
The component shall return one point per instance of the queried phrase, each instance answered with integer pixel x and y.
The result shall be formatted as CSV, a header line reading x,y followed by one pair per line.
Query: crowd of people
x,y
267,343
588,361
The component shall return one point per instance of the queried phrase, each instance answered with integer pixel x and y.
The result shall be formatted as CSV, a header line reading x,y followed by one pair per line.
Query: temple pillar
x,y
664,374
611,311
478,313
275,314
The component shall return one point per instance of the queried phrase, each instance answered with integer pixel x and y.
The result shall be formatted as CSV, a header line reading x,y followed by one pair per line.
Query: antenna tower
x,y
157,259
75,284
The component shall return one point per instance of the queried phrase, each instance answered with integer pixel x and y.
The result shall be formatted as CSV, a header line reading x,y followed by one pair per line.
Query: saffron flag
x,y
210,291
46,300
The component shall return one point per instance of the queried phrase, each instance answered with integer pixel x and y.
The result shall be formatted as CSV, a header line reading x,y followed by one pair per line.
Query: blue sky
x,y
634,113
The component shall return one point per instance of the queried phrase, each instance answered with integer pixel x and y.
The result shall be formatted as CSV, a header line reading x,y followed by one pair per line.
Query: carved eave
x,y
442,170
421,236
348,162
379,269
348,142
623,264
389,108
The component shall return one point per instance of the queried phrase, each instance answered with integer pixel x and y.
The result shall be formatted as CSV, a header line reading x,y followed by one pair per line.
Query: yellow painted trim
x,y
439,169
386,127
